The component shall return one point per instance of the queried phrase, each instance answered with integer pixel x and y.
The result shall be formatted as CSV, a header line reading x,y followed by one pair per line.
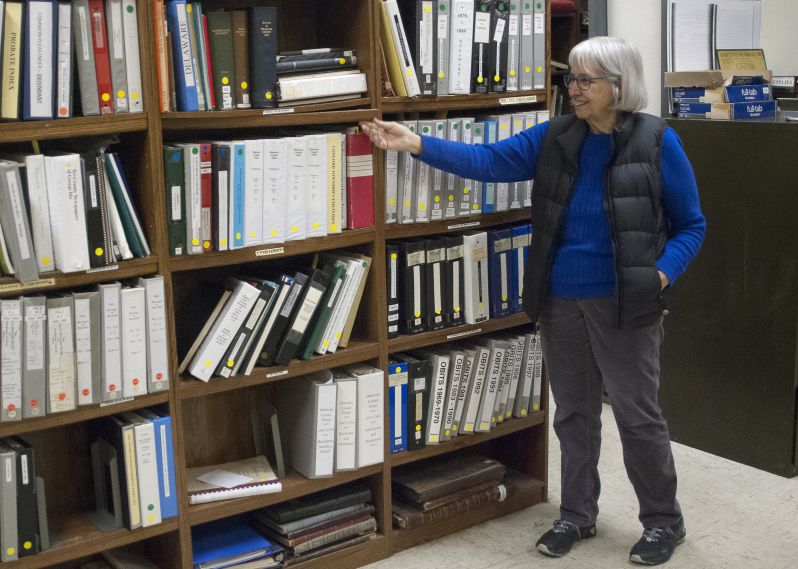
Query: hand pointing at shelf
x,y
392,136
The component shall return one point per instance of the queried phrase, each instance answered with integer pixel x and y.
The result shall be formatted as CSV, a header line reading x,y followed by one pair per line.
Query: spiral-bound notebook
x,y
255,474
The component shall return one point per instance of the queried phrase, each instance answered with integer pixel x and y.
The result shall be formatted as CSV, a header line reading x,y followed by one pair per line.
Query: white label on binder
x,y
482,27
443,26
176,209
526,25
513,25
116,32
436,288
93,191
85,40
393,278
20,218
426,33
520,272
397,412
456,285
540,24
503,268
416,291
307,309
499,32
167,489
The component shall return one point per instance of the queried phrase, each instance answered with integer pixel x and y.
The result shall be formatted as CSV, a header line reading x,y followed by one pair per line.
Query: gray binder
x,y
468,195
116,53
527,52
517,189
438,178
477,137
8,503
526,378
539,33
452,181
424,182
14,219
407,169
88,325
84,50
442,37
34,361
514,46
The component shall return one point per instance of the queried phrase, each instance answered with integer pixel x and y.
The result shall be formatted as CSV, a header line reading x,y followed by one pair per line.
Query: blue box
x,y
753,110
692,108
747,93
679,93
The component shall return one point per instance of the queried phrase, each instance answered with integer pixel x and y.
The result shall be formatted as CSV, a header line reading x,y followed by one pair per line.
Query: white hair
x,y
620,62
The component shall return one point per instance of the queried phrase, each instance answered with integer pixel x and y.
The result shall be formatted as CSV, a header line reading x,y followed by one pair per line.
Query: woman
x,y
616,219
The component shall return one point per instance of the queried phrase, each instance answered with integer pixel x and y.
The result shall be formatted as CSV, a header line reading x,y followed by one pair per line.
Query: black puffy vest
x,y
632,202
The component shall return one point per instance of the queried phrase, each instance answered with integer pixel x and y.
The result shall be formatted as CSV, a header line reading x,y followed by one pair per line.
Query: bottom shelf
x,y
76,536
405,539
351,557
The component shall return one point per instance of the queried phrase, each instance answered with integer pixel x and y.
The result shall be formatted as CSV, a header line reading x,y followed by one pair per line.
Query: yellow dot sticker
x,y
409,72
427,9
188,8
244,84
195,241
326,343
150,518
447,432
481,304
338,336
480,79
527,69
465,191
225,80
230,363
274,232
342,61
120,94
134,95
437,199
422,206
206,244
268,95
475,206
504,298
451,198
418,427
98,251
10,551
523,411
457,309
315,226
517,123
540,69
407,203
496,78
454,427
438,311
512,72
223,242
46,260
393,256
253,234
392,201
106,97
207,363
238,235
440,75
397,369
27,545
294,229
418,314
334,227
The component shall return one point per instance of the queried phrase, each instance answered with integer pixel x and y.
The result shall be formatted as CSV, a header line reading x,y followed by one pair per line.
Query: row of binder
x,y
84,347
332,420
45,40
68,211
415,192
462,279
271,321
232,194
458,47
463,388
133,469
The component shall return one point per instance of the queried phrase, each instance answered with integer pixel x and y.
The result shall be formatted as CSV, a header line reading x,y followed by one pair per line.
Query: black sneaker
x,y
657,544
558,540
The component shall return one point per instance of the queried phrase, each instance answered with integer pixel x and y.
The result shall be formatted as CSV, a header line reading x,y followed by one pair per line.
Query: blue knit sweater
x,y
583,264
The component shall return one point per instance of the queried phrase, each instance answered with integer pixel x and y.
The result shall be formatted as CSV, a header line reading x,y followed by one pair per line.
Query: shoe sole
x,y
637,559
545,551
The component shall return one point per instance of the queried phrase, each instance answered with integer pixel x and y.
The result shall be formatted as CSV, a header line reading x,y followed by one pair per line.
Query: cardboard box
x,y
696,93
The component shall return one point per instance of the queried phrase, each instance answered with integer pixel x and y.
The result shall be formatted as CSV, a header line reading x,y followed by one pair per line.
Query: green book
x,y
322,316
124,206
175,184
220,36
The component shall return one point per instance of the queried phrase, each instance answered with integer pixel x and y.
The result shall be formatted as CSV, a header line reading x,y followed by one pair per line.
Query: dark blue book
x,y
229,542
500,276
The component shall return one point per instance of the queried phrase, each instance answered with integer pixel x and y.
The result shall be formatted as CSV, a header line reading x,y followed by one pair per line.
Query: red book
x,y
102,60
359,181
206,197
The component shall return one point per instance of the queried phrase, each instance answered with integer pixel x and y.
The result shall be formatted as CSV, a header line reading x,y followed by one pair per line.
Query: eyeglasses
x,y
582,81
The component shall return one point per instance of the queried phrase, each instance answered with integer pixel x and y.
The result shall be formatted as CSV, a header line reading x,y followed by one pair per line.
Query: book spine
x,y
11,313
263,56
102,61
130,28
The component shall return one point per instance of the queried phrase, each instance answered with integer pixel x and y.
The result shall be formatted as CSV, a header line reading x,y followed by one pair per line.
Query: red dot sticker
x,y
85,392
61,396
34,402
135,381
112,387
159,376
62,111
12,407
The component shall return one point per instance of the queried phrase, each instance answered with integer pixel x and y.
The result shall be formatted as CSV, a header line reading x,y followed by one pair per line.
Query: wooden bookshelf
x,y
506,427
357,351
347,238
9,286
455,333
294,485
203,423
501,102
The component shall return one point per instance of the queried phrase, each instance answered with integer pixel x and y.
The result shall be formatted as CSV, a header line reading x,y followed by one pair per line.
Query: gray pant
x,y
581,347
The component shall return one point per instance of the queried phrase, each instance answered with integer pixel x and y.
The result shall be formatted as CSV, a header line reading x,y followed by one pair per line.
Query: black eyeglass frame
x,y
584,82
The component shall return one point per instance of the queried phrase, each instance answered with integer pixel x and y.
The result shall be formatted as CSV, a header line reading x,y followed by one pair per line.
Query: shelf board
x,y
24,131
462,102
78,537
404,539
323,113
413,341
403,231
342,240
351,557
507,427
356,351
294,486
10,286
84,413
